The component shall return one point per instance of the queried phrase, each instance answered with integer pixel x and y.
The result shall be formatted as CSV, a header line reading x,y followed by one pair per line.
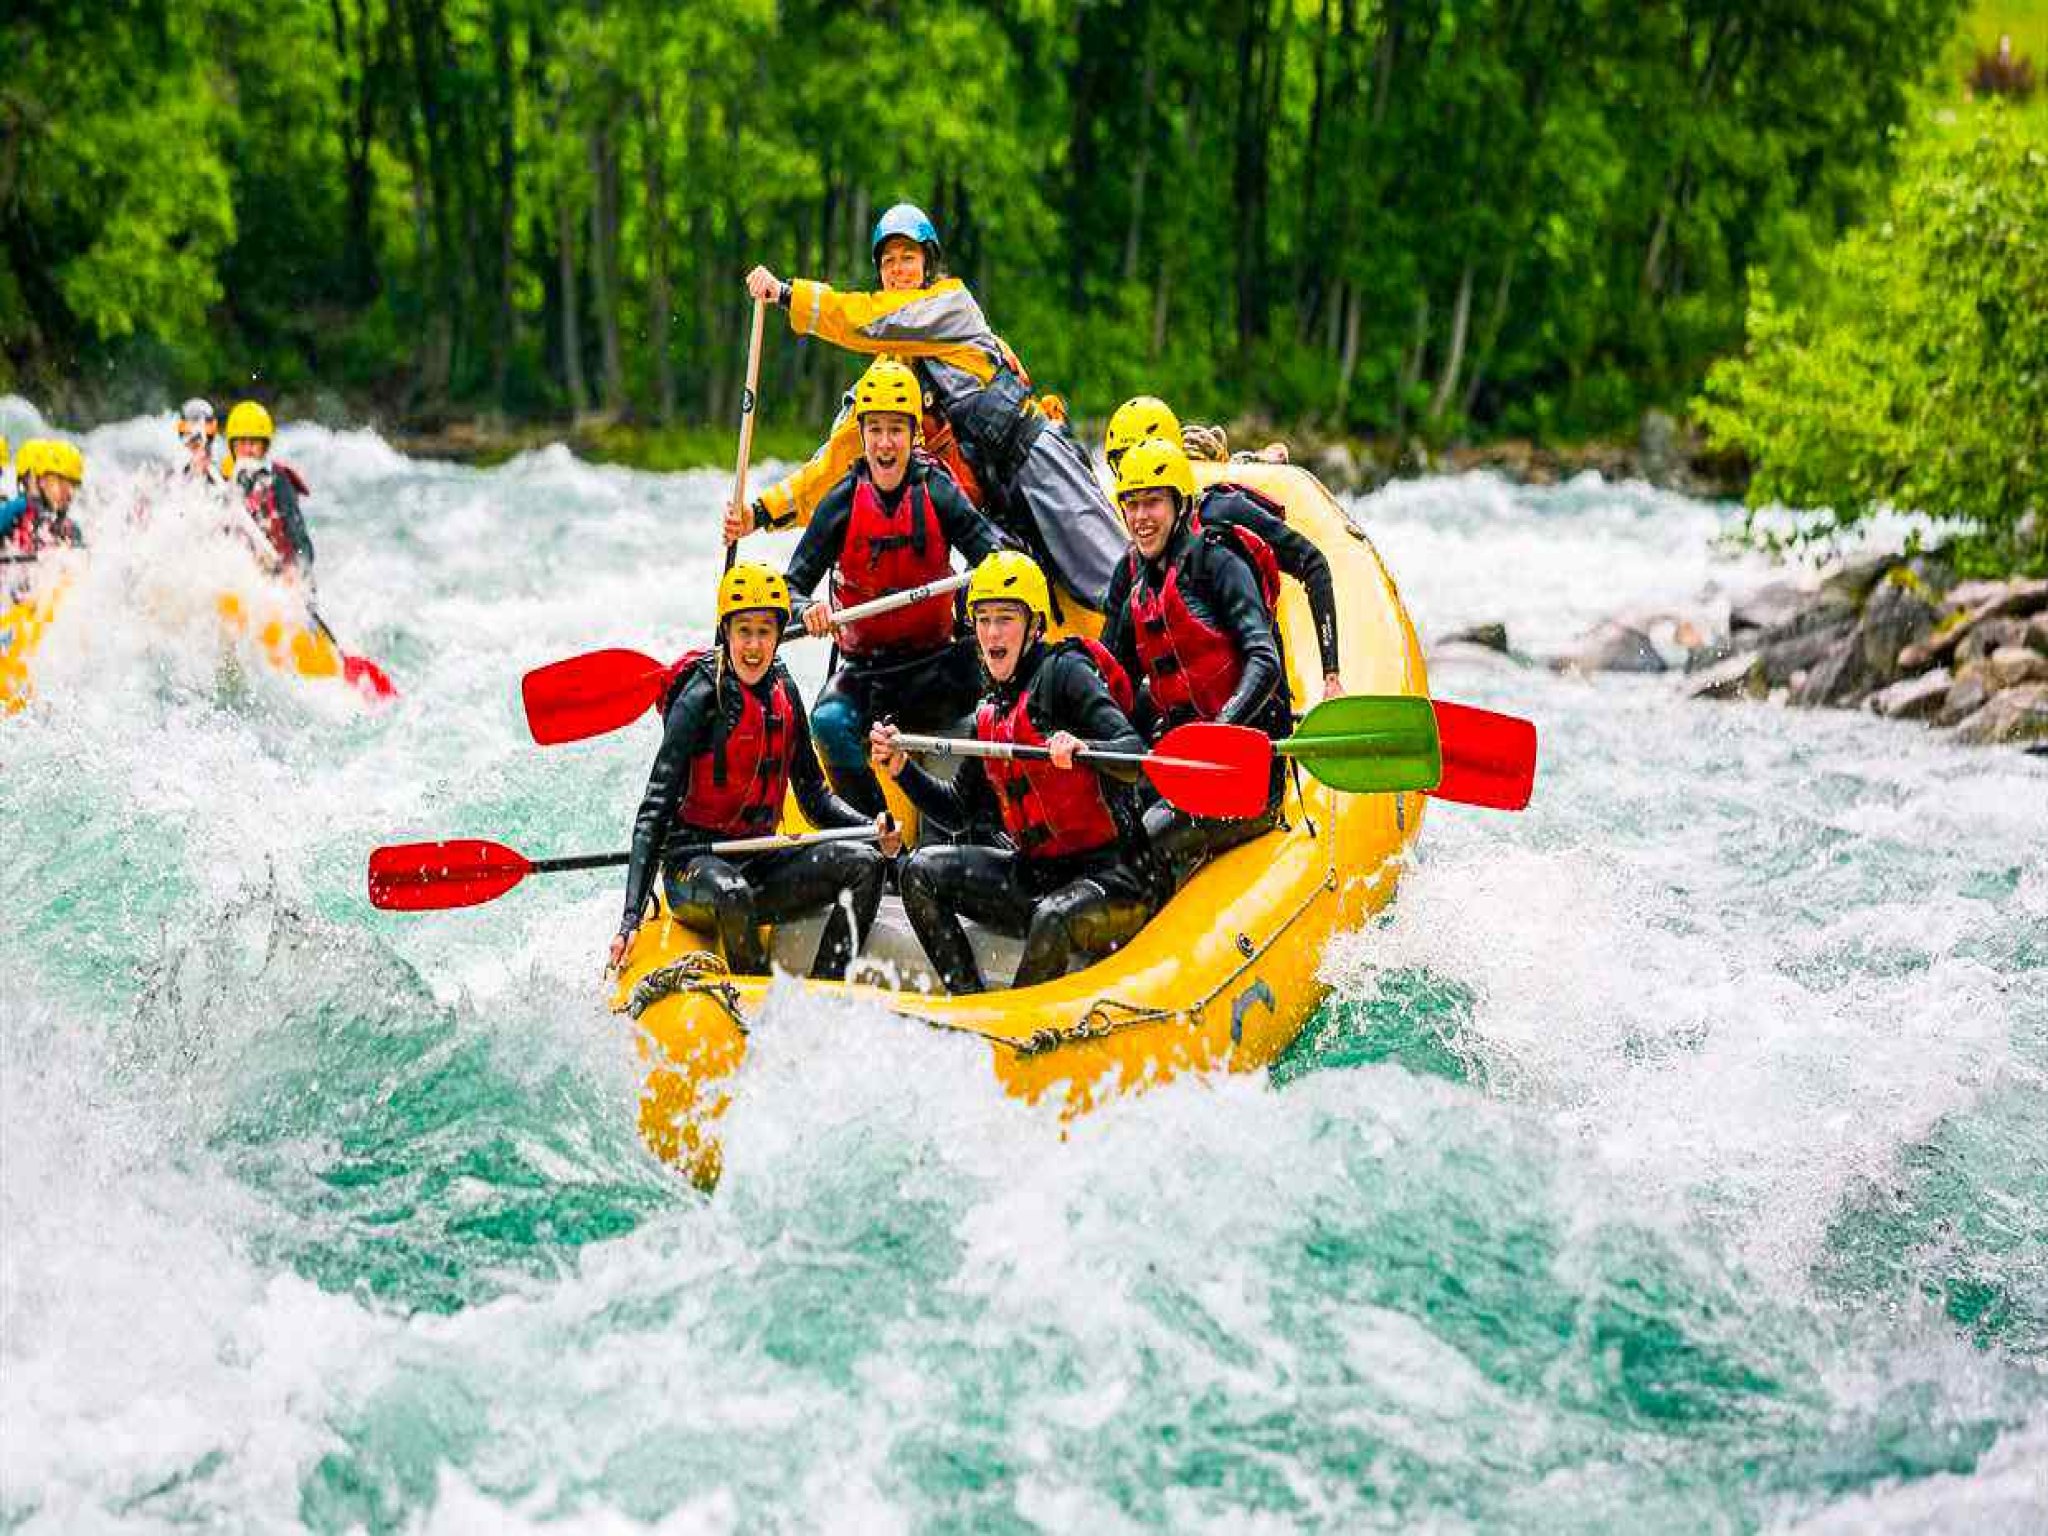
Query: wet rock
x,y
2012,666
1661,449
1769,607
2017,714
1612,647
1736,677
1491,636
1337,467
1897,615
1990,635
1852,581
1841,676
1998,599
2037,633
1799,652
1913,698
1966,695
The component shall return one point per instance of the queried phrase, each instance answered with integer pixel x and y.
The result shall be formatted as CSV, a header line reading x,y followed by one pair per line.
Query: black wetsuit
x,y
1223,506
1089,904
1222,590
923,690
734,895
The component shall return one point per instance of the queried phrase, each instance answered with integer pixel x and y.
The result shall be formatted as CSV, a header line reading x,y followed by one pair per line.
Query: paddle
x,y
604,691
1489,758
747,403
358,671
467,872
1368,744
1205,769
1371,744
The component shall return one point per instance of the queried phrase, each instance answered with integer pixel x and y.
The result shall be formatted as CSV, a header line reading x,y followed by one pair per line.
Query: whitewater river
x,y
1674,1157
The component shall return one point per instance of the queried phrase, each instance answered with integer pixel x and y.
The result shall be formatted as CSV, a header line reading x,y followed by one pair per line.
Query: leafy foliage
x,y
1916,372
1394,215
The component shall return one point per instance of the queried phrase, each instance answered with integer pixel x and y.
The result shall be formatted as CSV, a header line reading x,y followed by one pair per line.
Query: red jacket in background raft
x,y
271,491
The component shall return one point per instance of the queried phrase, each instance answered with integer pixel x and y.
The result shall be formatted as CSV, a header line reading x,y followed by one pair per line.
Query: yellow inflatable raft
x,y
1223,978
21,630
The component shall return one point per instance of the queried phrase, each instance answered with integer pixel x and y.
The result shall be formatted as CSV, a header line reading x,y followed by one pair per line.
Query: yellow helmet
x,y
746,588
1155,464
249,419
28,459
1138,418
1011,576
61,459
3,453
888,386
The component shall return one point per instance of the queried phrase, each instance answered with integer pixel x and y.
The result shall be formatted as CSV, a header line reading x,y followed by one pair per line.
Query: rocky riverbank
x,y
1899,636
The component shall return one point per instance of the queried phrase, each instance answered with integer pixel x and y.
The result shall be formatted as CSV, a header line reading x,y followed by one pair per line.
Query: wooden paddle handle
x,y
748,400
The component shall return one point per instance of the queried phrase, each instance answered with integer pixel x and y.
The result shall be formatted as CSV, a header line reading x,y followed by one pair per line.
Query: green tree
x,y
1915,372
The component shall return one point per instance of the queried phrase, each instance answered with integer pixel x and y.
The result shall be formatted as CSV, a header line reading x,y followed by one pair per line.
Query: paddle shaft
x,y
1003,751
748,401
876,606
767,844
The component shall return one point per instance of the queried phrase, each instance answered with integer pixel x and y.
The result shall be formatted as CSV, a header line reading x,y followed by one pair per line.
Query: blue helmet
x,y
906,219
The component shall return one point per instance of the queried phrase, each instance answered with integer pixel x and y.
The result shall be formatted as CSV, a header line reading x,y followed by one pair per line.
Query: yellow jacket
x,y
940,331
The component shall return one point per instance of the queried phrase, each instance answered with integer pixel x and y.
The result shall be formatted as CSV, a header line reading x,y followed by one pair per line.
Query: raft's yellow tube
x,y
1223,978
21,630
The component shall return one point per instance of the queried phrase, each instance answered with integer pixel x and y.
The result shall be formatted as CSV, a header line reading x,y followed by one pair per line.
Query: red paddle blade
x,y
589,695
1489,758
429,877
371,680
1213,770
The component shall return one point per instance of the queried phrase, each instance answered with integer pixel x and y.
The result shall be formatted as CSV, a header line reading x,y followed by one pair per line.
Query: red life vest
x,y
737,788
26,536
262,503
1112,670
889,552
1049,812
1191,665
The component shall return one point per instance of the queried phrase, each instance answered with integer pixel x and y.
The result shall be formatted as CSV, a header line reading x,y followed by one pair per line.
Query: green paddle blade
x,y
1369,744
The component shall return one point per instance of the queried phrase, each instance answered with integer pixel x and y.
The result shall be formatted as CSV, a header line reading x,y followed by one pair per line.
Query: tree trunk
x,y
1496,317
1134,232
604,265
572,328
659,301
1461,315
1311,272
1354,308
358,125
503,330
1411,361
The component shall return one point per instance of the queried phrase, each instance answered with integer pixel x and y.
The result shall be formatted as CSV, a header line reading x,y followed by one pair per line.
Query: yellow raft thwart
x,y
1223,978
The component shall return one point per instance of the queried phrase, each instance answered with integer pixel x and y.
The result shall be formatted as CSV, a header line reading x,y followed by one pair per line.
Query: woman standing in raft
x,y
1037,481
1079,880
734,741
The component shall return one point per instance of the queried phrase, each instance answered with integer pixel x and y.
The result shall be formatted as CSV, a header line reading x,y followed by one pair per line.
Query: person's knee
x,y
839,727
863,880
923,876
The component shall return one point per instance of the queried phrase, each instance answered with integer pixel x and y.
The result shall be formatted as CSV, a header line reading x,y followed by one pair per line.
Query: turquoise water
x,y
1674,1157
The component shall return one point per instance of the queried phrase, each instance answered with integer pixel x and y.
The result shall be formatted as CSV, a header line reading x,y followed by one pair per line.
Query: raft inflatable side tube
x,y
1223,978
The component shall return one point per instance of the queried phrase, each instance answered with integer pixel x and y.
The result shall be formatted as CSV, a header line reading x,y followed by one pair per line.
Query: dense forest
x,y
1443,216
